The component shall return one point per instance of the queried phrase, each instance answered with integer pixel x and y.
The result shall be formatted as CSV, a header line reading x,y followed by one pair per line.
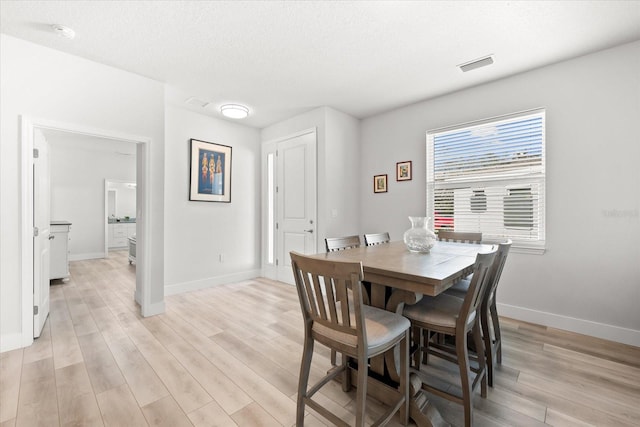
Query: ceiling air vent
x,y
196,102
476,63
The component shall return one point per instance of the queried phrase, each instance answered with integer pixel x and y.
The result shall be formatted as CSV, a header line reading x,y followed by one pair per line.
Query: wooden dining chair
x,y
457,318
340,243
488,311
331,299
376,239
459,236
337,244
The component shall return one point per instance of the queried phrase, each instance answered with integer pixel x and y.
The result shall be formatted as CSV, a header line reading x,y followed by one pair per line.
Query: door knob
x,y
308,231
51,236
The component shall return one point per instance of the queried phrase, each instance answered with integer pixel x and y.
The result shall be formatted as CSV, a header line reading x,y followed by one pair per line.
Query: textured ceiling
x,y
284,58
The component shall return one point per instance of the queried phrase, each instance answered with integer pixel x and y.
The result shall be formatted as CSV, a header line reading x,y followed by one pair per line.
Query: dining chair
x,y
331,299
488,310
459,236
337,244
376,239
457,318
340,243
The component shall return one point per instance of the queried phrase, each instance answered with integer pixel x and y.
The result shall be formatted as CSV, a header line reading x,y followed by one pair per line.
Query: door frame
x,y
270,270
27,126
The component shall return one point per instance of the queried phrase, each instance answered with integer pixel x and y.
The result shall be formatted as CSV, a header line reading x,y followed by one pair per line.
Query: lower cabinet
x,y
59,250
119,232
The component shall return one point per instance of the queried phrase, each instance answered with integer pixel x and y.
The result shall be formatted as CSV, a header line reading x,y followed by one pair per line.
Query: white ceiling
x,y
360,57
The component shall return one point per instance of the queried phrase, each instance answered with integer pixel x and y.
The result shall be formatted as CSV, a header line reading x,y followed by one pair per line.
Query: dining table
x,y
394,277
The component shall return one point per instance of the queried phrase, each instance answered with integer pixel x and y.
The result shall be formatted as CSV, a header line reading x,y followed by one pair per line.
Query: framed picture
x,y
403,171
380,183
210,172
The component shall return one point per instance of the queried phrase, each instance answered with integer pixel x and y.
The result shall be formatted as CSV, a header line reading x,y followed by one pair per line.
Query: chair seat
x,y
459,290
440,312
382,328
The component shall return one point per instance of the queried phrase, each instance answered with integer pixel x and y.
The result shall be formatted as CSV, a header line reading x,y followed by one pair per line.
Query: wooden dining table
x,y
398,277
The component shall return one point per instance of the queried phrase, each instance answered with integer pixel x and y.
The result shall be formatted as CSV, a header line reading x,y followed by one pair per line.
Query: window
x,y
489,176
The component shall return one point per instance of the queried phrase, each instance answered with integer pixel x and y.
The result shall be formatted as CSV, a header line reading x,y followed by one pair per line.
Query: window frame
x,y
510,180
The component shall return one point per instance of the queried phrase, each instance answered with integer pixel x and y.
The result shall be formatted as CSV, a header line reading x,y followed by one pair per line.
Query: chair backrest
x,y
459,236
476,291
330,294
340,243
496,272
376,239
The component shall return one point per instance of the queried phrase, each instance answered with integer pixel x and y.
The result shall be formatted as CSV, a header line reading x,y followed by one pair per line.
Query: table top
x,y
392,264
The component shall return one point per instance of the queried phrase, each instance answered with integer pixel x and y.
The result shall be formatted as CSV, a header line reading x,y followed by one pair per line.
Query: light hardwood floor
x,y
230,356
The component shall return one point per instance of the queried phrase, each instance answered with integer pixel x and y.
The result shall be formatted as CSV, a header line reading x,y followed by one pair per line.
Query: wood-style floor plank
x,y
10,373
230,356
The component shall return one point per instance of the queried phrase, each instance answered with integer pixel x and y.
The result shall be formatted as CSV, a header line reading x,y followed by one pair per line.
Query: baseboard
x,y
10,342
179,288
82,257
581,326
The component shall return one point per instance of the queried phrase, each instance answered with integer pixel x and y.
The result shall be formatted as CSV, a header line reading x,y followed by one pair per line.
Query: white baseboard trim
x,y
581,326
10,342
82,257
179,288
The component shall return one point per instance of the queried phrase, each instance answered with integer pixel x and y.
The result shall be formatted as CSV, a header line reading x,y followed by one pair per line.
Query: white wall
x,y
47,84
197,233
338,167
78,173
589,278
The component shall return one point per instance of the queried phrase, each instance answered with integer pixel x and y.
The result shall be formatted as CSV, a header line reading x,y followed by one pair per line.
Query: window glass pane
x,y
489,177
270,208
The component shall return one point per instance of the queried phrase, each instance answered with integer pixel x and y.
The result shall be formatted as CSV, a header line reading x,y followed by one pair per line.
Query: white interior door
x,y
42,235
296,200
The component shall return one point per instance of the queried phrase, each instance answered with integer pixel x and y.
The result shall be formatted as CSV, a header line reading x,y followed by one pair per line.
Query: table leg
x,y
422,412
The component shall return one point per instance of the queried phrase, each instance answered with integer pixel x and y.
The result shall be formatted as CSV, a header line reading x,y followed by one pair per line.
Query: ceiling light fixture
x,y
476,63
63,31
234,111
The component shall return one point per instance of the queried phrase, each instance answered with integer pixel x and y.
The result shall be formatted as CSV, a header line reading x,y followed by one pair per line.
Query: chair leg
x,y
465,377
496,331
482,366
404,378
488,345
361,398
346,375
305,368
416,333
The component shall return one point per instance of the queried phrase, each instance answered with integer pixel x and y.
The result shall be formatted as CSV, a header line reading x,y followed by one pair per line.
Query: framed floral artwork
x,y
380,183
403,171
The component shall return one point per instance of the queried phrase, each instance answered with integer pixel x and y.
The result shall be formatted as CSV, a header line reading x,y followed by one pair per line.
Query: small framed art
x,y
210,179
403,171
380,183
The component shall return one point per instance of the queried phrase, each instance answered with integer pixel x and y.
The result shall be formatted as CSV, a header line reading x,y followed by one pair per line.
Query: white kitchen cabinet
x,y
119,232
59,249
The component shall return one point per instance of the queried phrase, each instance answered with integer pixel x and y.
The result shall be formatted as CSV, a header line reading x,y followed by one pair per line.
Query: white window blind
x,y
489,176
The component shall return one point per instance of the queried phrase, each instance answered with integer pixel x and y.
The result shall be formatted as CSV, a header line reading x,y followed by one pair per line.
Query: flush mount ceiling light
x,y
234,111
63,31
476,63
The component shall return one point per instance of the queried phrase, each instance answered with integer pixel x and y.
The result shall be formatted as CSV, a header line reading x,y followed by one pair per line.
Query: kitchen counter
x,y
121,221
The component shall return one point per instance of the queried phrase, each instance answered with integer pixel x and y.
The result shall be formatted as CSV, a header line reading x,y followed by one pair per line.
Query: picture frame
x,y
403,171
380,183
210,173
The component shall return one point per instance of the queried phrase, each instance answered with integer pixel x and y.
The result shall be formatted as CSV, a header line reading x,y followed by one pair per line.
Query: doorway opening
x,y
29,128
